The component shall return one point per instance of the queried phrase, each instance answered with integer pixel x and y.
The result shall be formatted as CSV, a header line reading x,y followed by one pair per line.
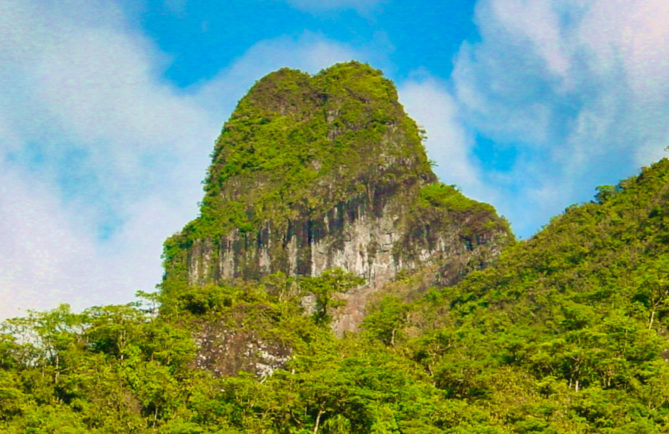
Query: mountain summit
x,y
327,171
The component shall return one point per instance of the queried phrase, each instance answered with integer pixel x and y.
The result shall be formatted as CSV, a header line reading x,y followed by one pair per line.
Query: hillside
x,y
568,331
564,332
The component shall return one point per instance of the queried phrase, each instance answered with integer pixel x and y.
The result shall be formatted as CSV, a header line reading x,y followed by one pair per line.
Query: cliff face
x,y
312,173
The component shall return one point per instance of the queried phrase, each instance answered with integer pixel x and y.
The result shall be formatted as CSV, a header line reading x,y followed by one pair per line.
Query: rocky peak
x,y
324,171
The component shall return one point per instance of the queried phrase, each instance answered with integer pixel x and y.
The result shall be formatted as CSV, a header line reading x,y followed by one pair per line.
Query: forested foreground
x,y
567,332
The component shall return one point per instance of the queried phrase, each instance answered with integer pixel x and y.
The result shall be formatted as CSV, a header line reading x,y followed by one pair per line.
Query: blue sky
x,y
110,110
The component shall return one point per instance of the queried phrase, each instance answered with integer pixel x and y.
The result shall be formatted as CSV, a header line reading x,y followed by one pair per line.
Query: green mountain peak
x,y
326,171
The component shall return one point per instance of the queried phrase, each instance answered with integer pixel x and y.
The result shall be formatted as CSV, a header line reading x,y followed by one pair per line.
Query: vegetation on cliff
x,y
300,158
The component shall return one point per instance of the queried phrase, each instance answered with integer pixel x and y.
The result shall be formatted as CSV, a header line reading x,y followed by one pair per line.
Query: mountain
x,y
323,172
464,330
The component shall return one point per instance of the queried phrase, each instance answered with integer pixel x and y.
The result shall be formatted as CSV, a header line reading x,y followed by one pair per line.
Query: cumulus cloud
x,y
100,158
40,246
579,88
90,138
448,144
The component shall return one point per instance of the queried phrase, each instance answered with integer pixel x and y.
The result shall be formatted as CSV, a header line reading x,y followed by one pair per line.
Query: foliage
x,y
575,318
324,289
292,129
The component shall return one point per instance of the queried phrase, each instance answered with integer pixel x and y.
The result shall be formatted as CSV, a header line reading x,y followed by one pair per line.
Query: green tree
x,y
325,288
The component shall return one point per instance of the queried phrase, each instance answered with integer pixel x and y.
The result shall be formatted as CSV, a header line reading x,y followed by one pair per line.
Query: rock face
x,y
227,352
313,173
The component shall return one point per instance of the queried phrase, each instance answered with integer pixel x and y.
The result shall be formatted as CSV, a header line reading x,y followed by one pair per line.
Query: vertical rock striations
x,y
312,173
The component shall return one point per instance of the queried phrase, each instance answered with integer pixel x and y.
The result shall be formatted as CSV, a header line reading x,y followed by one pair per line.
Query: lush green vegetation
x,y
444,205
564,334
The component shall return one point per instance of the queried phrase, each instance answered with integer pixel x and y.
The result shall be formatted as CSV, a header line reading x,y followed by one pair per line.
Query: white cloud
x,y
51,253
430,104
579,88
87,129
40,246
537,23
633,33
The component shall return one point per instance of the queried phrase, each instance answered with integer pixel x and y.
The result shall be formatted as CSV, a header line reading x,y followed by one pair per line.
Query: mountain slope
x,y
568,330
